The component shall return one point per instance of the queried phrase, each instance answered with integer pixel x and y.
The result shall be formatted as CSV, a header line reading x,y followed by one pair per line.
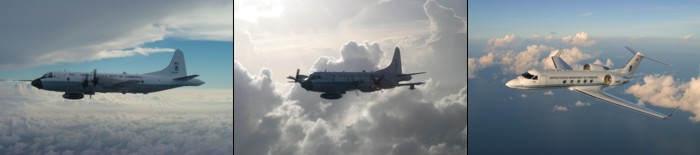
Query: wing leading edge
x,y
597,92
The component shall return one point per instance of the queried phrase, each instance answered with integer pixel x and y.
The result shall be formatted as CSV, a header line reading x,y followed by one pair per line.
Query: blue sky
x,y
599,18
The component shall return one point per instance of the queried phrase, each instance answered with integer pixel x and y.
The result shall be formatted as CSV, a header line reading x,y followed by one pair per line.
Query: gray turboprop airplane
x,y
76,84
589,81
335,84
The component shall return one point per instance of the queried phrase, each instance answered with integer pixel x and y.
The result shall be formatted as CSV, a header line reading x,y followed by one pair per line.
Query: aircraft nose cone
x,y
37,83
307,85
513,83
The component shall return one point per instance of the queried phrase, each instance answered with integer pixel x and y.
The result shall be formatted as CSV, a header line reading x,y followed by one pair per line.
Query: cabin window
x,y
67,79
564,81
534,78
578,81
572,81
590,81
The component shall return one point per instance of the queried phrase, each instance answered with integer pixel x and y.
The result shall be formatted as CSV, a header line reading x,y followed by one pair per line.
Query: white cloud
x,y
60,32
581,104
550,93
560,108
526,60
580,39
172,121
523,95
499,42
687,37
473,65
664,91
571,56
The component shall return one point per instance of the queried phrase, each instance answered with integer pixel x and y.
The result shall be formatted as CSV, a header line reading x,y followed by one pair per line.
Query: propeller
x,y
356,83
297,77
377,81
94,77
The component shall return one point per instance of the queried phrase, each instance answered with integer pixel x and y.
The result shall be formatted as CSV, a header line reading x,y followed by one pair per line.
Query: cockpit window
x,y
314,76
527,75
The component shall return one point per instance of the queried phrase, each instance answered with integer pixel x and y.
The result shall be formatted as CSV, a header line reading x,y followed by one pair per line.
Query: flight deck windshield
x,y
527,75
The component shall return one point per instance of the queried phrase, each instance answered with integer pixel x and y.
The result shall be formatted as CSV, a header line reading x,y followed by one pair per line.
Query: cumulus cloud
x,y
353,57
608,63
571,56
560,108
473,64
60,32
581,104
687,37
580,39
499,42
664,91
527,59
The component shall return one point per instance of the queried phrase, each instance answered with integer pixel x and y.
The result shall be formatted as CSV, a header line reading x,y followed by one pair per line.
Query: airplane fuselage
x,y
334,84
76,82
566,78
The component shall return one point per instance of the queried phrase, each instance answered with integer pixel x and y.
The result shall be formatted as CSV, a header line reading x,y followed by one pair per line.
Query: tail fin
x,y
632,65
176,68
395,65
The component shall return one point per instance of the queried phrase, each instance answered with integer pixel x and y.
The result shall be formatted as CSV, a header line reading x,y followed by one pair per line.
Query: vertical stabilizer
x,y
176,68
395,65
632,65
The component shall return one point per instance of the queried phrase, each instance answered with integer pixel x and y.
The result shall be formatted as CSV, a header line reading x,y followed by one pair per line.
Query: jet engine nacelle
x,y
595,67
614,80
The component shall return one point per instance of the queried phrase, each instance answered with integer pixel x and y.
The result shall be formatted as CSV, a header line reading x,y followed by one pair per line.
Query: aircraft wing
x,y
597,92
560,63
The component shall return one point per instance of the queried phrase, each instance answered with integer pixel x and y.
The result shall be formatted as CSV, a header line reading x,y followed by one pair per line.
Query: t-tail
x,y
633,64
175,69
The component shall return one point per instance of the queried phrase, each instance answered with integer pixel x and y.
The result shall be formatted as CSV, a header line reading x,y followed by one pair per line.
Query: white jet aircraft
x,y
589,81
76,84
335,84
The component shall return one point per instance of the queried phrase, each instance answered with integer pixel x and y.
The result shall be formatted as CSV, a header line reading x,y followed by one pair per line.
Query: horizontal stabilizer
x,y
411,74
185,78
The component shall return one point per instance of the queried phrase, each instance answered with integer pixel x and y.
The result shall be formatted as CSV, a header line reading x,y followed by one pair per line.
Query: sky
x,y
114,37
274,38
509,38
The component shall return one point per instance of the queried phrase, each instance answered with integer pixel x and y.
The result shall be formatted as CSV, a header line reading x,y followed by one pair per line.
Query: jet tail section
x,y
176,68
633,64
395,65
